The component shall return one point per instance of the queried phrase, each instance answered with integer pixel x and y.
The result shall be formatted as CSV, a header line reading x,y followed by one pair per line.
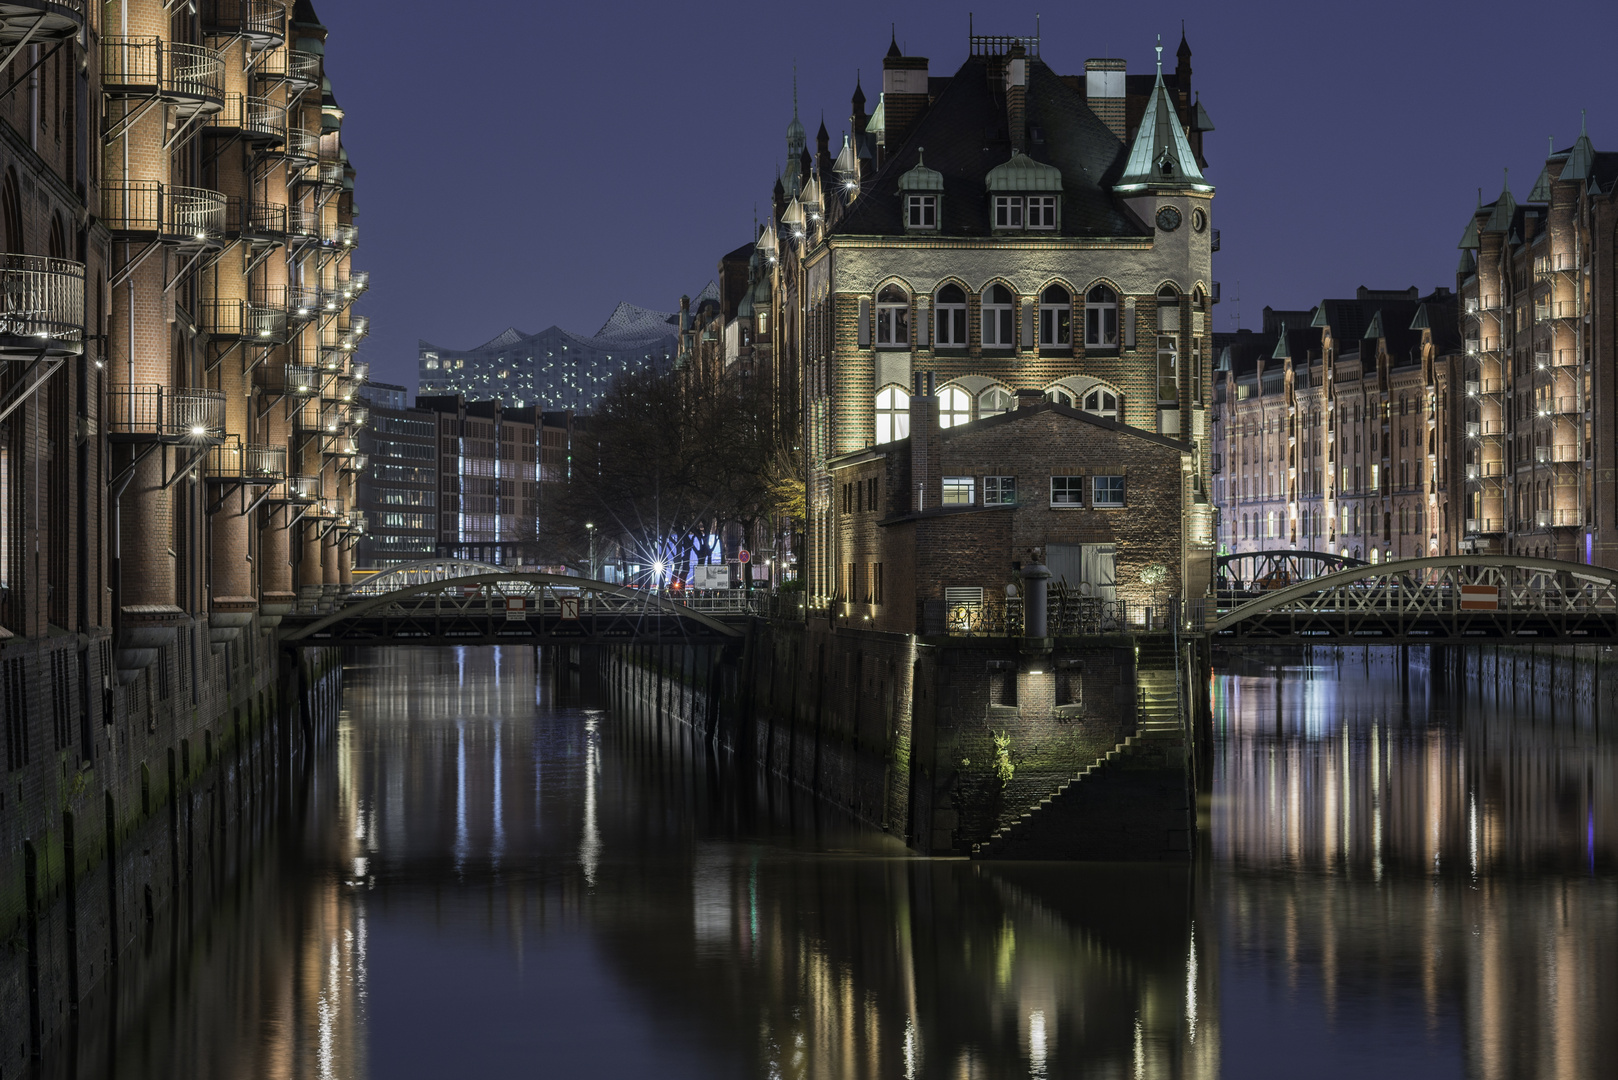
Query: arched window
x,y
951,306
1059,396
954,407
1102,402
58,238
1168,344
892,317
892,414
1101,318
995,400
997,324
11,215
1055,318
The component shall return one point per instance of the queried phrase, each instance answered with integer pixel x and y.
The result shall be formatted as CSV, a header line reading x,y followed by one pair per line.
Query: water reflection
x,y
484,884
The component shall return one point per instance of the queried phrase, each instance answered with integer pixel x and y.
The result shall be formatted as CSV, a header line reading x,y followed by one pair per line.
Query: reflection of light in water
x,y
460,794
590,843
1472,831
1140,1050
1036,1044
1191,984
1376,801
499,846
326,1009
911,1052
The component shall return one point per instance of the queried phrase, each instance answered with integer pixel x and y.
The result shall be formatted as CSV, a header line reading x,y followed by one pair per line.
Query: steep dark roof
x,y
964,135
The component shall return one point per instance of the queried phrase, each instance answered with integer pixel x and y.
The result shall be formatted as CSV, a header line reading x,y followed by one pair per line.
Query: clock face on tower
x,y
1168,219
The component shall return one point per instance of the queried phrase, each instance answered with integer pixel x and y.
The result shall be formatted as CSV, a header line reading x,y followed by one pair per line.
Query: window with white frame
x,y
951,308
892,414
1008,211
1059,396
921,211
1168,368
892,317
995,399
1041,212
1101,402
1055,318
997,318
1067,491
1106,491
999,489
958,490
1101,318
954,407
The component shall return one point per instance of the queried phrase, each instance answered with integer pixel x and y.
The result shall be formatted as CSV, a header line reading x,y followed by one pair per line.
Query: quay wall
x,y
128,805
896,730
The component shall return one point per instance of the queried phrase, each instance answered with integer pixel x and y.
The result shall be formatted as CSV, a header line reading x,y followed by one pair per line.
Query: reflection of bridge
x,y
1249,573
443,604
1448,600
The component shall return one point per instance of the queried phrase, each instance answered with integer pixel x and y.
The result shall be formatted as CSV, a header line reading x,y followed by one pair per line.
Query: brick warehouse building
x,y
176,440
934,527
1003,229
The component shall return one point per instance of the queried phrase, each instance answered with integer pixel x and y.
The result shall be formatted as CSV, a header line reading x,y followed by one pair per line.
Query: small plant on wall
x,y
1003,767
1153,578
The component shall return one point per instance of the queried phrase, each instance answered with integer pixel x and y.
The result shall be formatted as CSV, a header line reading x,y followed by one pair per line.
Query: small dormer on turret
x,y
847,171
922,190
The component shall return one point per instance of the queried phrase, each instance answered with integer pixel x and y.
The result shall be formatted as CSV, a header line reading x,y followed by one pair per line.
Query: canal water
x,y
477,881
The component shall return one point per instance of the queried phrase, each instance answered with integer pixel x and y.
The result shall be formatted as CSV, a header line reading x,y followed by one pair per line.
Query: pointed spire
x,y
893,45
1505,209
795,133
1582,158
1161,154
1184,52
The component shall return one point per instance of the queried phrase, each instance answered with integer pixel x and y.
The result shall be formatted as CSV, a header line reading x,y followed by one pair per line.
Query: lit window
x,y
995,400
1106,491
1168,368
954,407
1067,491
997,323
892,414
999,489
892,317
921,211
1101,318
951,308
1055,318
1008,211
958,490
1042,211
1102,403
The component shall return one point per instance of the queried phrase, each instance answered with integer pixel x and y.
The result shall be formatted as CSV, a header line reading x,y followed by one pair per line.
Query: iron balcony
x,y
41,306
189,77
244,319
154,412
40,20
251,464
262,22
299,69
186,216
258,120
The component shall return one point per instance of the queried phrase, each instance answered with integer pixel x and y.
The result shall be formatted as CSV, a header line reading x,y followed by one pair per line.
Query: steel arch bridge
x,y
420,573
1441,600
1251,573
507,608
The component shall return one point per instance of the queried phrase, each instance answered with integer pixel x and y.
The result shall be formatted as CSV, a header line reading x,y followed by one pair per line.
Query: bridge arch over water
x,y
1438,600
1249,571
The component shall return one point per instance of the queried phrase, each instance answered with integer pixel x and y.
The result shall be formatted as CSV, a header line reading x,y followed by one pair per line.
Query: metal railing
x,y
168,69
303,143
360,371
1485,525
41,21
242,318
302,302
186,214
158,411
303,223
262,20
302,380
343,236
259,218
303,488
41,299
358,415
290,64
233,461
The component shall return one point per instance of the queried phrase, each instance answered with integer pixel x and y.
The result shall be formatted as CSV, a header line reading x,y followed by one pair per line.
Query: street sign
x,y
570,608
745,556
1480,598
516,608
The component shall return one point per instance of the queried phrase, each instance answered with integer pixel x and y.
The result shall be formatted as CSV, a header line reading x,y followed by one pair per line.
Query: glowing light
x,y
657,568
198,430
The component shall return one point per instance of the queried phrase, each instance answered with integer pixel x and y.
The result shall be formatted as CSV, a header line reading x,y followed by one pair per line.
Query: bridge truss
x,y
507,608
1247,574
1434,601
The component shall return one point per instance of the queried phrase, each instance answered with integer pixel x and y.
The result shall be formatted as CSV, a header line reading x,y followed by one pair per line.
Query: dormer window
x,y
921,211
1008,211
1042,211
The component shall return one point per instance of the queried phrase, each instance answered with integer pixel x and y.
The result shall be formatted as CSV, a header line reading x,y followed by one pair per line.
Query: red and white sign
x,y
745,556
570,608
1480,598
516,608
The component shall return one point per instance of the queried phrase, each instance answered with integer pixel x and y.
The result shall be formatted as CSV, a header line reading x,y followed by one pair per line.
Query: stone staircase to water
x,y
1133,803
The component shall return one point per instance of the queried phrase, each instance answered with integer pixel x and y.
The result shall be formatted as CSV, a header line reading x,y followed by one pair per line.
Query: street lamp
x,y
590,529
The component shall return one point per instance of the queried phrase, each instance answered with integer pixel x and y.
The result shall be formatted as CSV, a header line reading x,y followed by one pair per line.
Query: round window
x,y
1199,220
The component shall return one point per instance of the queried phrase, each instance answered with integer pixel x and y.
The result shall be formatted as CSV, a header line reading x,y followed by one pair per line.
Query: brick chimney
x,y
904,96
1017,98
1105,94
926,446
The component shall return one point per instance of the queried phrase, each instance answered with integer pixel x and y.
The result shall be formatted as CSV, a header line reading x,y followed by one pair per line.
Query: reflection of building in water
x,y
1475,844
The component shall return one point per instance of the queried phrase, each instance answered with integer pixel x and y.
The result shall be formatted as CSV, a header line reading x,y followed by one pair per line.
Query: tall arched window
x,y
1059,396
954,407
951,308
1101,402
892,414
892,317
1168,344
58,238
1101,318
997,322
1055,318
11,215
995,399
